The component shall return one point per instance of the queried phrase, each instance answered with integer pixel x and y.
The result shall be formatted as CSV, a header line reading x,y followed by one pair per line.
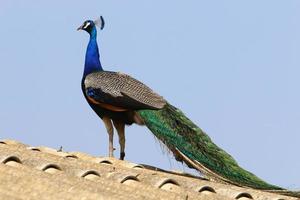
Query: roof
x,y
44,173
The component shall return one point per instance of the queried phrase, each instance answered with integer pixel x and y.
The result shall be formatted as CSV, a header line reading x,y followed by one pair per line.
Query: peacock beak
x,y
80,27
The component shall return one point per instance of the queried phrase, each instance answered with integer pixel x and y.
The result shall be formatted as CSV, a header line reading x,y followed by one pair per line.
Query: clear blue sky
x,y
232,66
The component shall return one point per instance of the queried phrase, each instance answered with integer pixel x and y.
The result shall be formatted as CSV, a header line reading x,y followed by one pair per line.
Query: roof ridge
x,y
142,180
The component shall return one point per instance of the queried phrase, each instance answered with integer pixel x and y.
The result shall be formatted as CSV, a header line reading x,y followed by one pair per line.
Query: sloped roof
x,y
44,173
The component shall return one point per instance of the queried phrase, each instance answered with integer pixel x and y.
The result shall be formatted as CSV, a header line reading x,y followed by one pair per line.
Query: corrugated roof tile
x,y
41,172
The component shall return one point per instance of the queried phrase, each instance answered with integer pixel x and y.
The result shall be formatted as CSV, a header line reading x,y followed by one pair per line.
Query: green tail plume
x,y
191,145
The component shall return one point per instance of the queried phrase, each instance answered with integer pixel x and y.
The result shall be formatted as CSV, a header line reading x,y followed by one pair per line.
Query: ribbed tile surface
x,y
43,173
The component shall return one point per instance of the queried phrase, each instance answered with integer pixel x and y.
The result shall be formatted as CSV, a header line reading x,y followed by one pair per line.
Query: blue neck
x,y
92,58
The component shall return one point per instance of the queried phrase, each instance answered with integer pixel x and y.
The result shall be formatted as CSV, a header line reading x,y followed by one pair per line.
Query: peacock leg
x,y
120,127
110,131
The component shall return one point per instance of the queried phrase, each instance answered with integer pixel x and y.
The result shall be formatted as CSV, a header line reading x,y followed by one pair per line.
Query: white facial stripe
x,y
86,25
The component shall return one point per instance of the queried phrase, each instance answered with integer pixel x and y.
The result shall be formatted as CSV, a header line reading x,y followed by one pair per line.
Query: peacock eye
x,y
86,25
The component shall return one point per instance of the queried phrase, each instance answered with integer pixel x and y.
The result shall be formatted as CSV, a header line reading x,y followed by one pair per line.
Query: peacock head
x,y
90,25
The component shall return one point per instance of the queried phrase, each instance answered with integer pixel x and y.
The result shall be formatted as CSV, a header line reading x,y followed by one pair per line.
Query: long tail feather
x,y
191,145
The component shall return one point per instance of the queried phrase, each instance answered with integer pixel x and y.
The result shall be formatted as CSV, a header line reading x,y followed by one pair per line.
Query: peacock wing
x,y
121,90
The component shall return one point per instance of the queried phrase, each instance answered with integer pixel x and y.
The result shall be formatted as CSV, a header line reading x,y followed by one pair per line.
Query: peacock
x,y
119,100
